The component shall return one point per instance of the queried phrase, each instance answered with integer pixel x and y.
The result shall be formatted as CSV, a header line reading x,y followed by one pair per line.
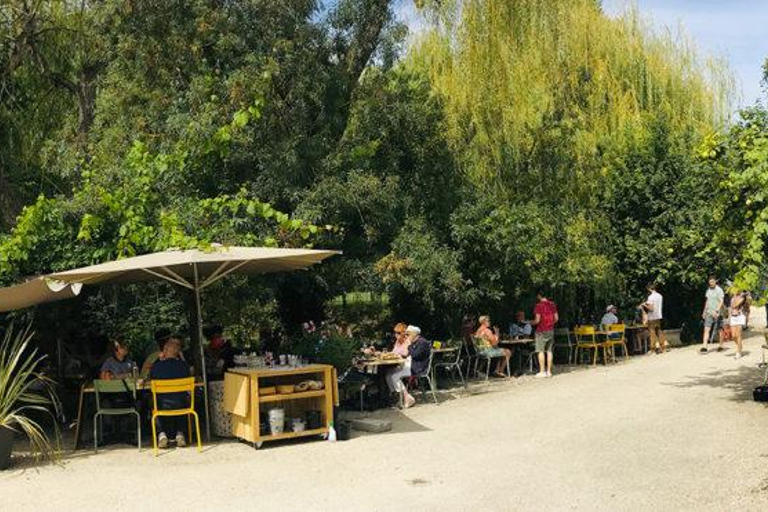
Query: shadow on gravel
x,y
741,381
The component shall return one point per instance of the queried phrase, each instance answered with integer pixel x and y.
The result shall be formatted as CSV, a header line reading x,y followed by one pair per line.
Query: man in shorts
x,y
713,303
545,319
653,306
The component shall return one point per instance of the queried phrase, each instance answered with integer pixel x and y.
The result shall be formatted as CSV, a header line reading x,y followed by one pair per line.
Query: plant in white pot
x,y
25,393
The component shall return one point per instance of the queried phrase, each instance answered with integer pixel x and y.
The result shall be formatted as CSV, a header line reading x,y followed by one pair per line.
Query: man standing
x,y
545,319
713,303
653,306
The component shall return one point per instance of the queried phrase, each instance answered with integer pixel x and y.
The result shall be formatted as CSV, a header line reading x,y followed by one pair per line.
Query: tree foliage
x,y
508,146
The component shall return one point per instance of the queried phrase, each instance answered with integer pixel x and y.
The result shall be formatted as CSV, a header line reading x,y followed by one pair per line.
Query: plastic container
x,y
314,419
343,430
276,421
298,425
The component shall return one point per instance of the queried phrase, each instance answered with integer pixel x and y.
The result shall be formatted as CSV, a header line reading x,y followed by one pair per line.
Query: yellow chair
x,y
617,337
165,386
586,338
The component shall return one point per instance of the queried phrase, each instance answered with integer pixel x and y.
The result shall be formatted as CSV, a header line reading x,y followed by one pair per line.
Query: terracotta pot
x,y
6,445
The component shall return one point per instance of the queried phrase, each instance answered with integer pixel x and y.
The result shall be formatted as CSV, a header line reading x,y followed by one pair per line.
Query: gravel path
x,y
671,432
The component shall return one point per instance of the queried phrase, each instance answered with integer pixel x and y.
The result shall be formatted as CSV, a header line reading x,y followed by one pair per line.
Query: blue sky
x,y
736,30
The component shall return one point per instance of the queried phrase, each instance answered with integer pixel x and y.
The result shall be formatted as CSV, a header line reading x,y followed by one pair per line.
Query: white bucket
x,y
276,421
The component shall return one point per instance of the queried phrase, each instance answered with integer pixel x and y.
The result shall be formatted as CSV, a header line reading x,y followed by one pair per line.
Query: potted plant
x,y
24,392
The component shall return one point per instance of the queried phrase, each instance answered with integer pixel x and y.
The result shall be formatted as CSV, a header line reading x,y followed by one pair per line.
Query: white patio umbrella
x,y
192,269
38,290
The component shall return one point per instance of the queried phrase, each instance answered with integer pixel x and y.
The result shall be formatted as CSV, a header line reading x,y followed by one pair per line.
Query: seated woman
x,y
117,366
171,366
400,346
492,350
417,363
219,354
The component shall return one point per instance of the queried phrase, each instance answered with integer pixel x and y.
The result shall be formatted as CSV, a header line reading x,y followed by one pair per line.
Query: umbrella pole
x,y
198,309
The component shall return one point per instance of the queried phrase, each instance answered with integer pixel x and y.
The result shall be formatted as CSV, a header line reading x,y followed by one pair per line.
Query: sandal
x,y
500,374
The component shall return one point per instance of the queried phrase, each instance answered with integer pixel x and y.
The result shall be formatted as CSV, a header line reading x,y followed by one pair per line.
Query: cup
x,y
283,360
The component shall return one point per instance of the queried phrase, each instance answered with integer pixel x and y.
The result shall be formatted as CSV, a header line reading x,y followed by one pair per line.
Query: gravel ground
x,y
672,432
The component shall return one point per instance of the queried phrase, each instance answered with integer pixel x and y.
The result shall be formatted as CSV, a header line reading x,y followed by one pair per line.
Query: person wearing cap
x,y
417,363
610,318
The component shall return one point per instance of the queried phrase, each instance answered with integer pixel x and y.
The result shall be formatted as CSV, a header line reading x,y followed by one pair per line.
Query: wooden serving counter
x,y
244,402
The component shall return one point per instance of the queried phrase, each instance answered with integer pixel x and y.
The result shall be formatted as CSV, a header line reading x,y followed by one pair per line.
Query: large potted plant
x,y
25,395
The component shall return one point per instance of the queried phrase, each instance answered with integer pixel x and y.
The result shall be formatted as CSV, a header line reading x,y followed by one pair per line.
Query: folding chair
x,y
481,345
113,387
165,386
586,338
617,337
563,340
451,366
427,376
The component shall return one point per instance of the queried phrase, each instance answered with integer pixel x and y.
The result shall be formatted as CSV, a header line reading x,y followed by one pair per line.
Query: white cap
x,y
413,329
610,308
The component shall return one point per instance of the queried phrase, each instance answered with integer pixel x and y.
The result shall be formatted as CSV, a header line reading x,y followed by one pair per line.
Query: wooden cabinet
x,y
247,406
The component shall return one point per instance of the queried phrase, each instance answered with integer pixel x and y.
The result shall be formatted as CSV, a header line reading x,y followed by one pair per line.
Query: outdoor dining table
x,y
372,365
512,344
639,344
88,388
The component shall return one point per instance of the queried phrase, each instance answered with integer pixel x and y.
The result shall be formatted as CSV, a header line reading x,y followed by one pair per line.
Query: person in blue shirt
x,y
521,328
171,366
118,365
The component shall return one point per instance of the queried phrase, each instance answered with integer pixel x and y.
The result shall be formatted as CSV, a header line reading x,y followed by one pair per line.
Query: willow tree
x,y
515,73
546,103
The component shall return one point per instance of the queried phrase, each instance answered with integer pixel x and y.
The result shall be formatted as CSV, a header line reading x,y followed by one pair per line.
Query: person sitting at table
x,y
400,346
491,336
161,336
170,366
520,328
609,318
220,354
417,362
118,365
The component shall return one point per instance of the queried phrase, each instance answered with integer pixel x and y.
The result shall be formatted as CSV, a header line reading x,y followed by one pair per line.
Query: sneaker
x,y
738,356
719,349
703,350
180,441
549,374
541,375
162,440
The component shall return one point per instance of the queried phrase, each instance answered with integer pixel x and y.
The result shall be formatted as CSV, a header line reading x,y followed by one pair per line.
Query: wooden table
x,y
372,365
243,399
519,341
88,388
444,350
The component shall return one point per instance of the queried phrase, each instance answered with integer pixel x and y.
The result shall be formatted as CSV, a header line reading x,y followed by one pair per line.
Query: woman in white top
x,y
739,305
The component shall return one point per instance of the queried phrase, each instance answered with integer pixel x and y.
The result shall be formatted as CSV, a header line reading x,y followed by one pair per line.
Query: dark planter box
x,y
6,444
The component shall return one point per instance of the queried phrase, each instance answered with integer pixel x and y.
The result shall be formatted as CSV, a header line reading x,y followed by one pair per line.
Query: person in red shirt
x,y
545,319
